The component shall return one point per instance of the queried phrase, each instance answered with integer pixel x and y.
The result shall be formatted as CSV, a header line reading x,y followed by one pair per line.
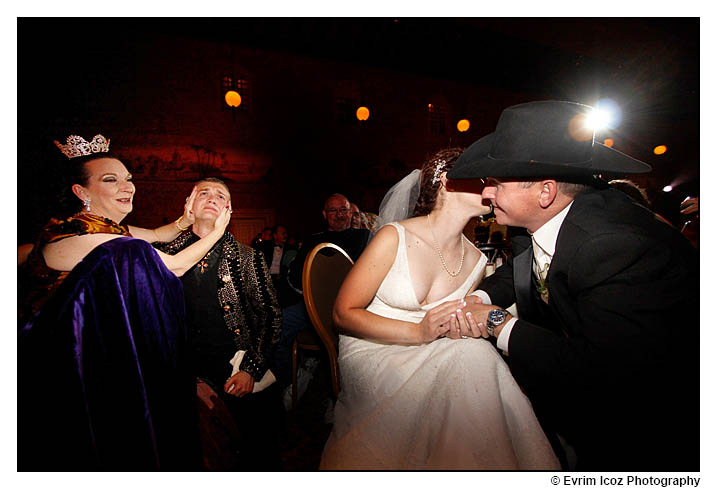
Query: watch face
x,y
497,317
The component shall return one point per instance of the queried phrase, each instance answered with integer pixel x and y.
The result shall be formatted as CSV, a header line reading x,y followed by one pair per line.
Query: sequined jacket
x,y
246,296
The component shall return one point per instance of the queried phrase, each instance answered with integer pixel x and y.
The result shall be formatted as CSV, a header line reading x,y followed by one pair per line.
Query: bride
x,y
415,393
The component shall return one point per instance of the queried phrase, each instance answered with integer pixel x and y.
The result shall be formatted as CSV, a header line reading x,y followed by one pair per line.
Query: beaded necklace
x,y
441,255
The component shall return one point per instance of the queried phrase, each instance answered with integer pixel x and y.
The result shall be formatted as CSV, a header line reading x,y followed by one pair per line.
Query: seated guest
x,y
103,185
277,254
294,318
361,219
691,228
265,235
106,317
233,319
637,193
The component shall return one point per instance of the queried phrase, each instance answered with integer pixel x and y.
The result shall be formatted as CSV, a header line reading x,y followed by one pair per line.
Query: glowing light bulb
x,y
668,188
463,125
232,98
362,113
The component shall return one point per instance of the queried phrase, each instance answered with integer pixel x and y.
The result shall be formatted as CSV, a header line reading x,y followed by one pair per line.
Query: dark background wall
x,y
154,87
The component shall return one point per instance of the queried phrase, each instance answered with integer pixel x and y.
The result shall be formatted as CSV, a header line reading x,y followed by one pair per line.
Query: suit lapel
x,y
522,282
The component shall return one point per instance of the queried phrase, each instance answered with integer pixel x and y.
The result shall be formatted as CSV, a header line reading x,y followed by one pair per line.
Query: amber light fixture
x,y
660,150
232,98
463,125
362,113
608,142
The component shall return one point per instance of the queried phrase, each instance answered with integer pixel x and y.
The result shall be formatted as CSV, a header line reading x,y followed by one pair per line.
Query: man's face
x,y
210,199
280,236
514,204
336,212
356,216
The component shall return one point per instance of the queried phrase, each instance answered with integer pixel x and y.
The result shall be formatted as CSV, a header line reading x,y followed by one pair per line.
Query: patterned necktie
x,y
542,261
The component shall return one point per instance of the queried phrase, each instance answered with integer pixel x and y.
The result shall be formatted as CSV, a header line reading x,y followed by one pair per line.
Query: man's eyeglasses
x,y
337,211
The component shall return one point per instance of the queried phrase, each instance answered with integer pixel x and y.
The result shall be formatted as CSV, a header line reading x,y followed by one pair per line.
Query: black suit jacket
x,y
352,240
618,359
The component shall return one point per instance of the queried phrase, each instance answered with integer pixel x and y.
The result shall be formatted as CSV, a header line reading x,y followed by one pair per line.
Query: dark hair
x,y
74,171
441,161
217,181
633,190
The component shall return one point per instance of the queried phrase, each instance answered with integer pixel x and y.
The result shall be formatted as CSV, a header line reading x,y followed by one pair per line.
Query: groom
x,y
606,340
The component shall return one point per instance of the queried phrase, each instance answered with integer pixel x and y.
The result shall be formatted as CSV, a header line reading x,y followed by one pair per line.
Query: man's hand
x,y
240,384
472,319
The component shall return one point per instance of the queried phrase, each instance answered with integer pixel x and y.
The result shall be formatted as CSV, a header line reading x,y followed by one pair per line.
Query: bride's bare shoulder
x,y
413,225
416,229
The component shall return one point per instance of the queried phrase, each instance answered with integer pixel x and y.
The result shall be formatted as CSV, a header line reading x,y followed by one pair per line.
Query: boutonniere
x,y
542,281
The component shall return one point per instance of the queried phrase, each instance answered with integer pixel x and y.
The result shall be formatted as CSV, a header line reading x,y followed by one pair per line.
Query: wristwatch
x,y
496,317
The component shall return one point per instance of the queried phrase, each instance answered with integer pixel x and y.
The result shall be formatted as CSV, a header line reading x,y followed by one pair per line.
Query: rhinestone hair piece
x,y
77,146
440,164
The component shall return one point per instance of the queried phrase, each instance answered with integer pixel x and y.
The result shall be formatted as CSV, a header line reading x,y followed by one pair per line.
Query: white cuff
x,y
502,342
485,298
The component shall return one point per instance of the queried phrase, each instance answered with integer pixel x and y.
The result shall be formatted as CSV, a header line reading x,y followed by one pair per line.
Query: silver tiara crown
x,y
77,146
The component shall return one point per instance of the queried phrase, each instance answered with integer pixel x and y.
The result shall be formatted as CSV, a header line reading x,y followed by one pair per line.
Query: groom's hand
x,y
474,316
477,314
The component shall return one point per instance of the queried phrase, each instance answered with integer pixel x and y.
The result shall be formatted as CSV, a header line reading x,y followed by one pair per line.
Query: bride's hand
x,y
464,324
436,322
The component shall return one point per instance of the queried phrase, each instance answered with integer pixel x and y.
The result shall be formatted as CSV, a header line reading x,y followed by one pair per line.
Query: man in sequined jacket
x,y
233,323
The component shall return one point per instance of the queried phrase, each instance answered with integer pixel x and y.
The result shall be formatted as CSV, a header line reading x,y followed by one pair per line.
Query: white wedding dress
x,y
449,404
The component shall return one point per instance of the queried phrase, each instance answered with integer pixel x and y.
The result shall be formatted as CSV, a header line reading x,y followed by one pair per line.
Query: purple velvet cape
x,y
103,375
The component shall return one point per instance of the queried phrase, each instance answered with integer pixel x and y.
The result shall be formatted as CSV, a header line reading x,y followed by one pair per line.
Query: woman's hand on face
x,y
436,322
188,205
223,219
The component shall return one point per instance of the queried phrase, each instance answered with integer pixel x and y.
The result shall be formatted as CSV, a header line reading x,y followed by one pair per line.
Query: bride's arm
x,y
169,232
359,288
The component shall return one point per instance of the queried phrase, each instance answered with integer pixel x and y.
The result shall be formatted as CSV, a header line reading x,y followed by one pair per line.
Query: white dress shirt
x,y
545,237
276,260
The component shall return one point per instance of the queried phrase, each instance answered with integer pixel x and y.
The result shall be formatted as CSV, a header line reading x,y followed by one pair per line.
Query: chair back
x,y
324,271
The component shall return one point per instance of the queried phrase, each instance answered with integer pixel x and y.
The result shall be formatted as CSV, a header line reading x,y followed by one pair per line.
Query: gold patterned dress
x,y
36,281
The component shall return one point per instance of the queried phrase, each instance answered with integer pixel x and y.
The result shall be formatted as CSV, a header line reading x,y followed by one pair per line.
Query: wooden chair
x,y
324,271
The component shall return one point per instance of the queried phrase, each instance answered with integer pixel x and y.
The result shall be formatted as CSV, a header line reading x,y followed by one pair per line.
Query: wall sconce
x,y
362,113
463,125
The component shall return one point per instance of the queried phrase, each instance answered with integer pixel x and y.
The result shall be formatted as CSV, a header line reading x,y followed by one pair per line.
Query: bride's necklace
x,y
441,256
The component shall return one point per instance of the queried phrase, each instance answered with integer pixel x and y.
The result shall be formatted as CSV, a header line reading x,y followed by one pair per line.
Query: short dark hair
x,y
216,181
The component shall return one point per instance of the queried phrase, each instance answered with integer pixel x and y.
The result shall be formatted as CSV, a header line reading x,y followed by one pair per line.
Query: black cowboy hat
x,y
546,139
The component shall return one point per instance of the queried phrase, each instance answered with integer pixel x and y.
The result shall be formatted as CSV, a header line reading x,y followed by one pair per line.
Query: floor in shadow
x,y
306,429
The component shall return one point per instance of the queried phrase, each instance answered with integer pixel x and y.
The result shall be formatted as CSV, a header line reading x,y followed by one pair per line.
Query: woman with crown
x,y
102,185
104,381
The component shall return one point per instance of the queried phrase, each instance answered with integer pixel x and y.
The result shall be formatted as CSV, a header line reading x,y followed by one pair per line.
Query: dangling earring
x,y
86,204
